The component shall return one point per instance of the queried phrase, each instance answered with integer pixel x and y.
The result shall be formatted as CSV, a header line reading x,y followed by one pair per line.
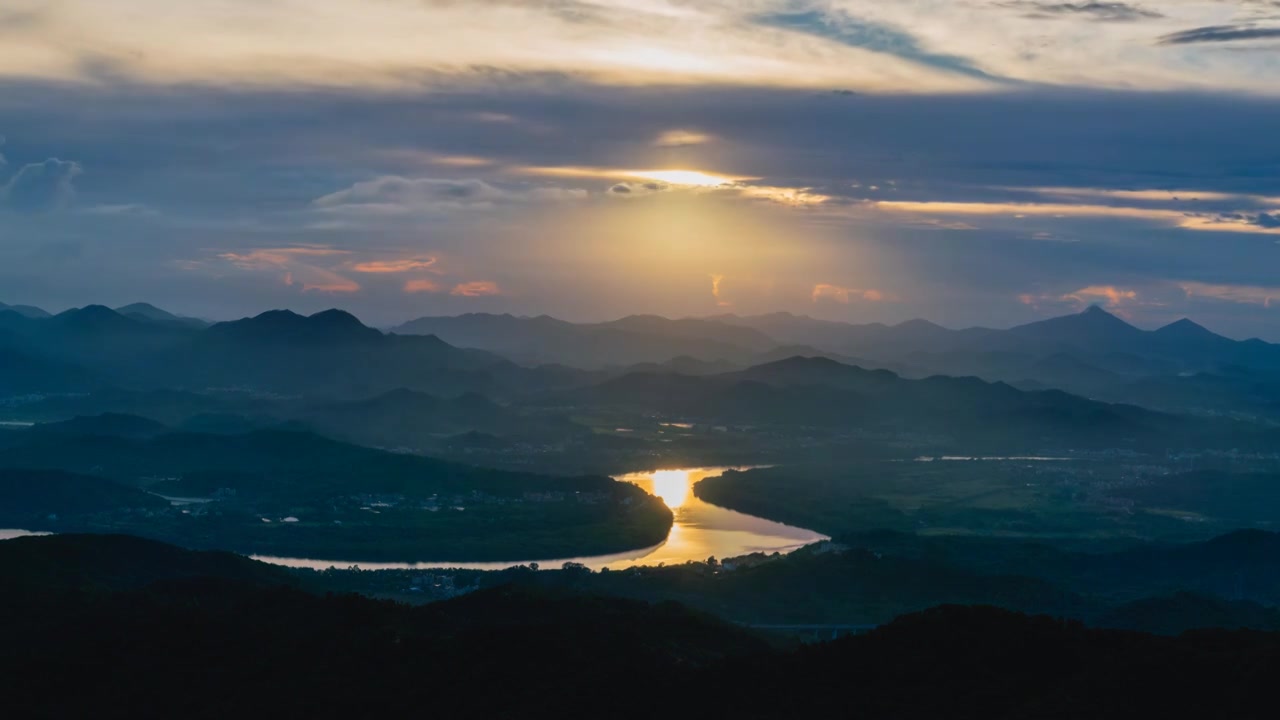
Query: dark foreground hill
x,y
219,646
299,494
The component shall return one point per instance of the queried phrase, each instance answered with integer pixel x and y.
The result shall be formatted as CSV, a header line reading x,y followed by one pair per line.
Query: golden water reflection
x,y
673,487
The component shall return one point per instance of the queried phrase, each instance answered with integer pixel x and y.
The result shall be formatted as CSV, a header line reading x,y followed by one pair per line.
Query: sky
x,y
972,162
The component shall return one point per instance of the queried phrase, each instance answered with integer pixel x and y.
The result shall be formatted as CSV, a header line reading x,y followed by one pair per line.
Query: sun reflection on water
x,y
672,487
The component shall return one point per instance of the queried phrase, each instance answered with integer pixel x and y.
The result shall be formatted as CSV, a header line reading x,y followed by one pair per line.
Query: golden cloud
x,y
476,288
395,266
422,285
680,138
715,291
1113,295
845,295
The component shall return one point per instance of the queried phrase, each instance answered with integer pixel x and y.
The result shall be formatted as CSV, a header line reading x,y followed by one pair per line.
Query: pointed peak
x,y
1185,328
91,315
1183,325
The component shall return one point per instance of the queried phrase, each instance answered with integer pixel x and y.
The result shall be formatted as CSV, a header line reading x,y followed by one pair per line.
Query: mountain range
x,y
1181,367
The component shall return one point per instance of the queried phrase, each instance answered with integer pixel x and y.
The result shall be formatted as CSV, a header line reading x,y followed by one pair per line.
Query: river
x,y
701,530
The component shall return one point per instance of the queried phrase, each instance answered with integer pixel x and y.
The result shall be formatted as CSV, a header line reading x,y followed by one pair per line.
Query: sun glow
x,y
667,176
672,487
692,178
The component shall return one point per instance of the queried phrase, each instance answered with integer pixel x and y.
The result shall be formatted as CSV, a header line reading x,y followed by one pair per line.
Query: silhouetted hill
x,y
93,336
285,327
413,419
120,562
33,499
334,354
354,502
244,650
625,342
28,311
113,424
1186,330
1094,336
149,312
820,392
1093,327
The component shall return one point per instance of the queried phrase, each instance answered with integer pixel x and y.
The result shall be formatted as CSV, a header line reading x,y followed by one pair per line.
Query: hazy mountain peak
x,y
93,316
1094,322
147,311
286,325
336,318
1187,329
919,324
27,311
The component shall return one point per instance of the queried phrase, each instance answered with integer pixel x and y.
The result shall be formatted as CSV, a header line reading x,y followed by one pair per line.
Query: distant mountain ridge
x,y
1092,353
328,353
628,341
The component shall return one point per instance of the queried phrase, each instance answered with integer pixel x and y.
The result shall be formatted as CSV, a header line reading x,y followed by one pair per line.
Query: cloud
x,y
681,138
395,195
396,266
716,280
1220,34
296,267
271,258
314,279
1113,296
1184,219
476,288
121,209
422,285
877,37
1117,299
637,189
1241,294
38,187
1095,11
845,295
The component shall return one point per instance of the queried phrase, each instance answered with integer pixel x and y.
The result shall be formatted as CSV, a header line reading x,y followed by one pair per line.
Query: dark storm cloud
x,y
1220,34
875,37
1099,11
